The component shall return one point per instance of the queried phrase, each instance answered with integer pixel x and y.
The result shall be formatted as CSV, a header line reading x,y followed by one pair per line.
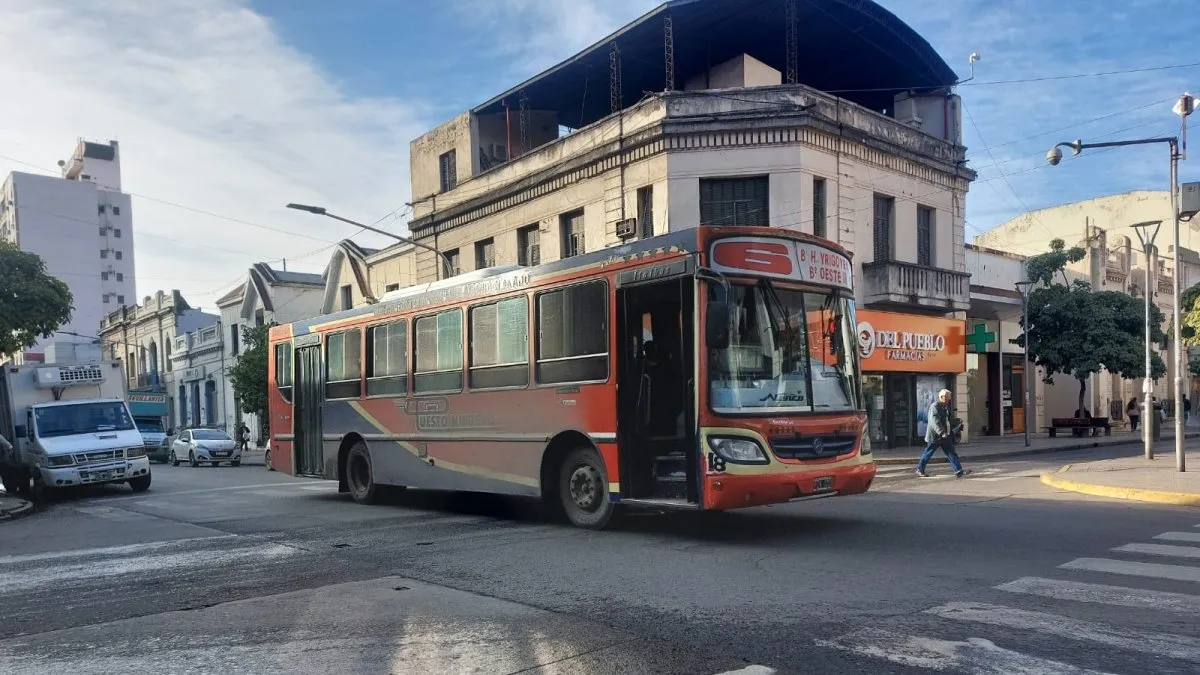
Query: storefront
x,y
995,378
906,360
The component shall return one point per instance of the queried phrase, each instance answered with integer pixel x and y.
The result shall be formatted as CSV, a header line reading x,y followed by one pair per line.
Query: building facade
x,y
266,296
81,224
356,276
1114,261
142,337
550,169
197,379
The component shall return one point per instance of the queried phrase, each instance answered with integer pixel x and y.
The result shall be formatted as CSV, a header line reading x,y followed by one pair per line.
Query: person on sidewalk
x,y
1134,413
938,435
1187,409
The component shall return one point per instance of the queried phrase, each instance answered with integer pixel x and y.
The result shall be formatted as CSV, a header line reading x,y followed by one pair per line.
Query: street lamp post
x,y
1025,287
1146,237
1183,108
320,211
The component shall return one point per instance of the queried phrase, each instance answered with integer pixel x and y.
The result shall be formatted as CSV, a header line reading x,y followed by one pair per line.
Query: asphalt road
x,y
240,570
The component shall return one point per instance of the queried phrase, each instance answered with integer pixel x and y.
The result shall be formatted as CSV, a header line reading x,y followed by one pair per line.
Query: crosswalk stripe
x,y
1040,623
109,550
1161,549
1136,569
975,655
1077,591
1180,536
751,670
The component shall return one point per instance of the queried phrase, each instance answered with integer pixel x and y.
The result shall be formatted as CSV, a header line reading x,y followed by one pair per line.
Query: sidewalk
x,y
255,457
992,447
1134,478
12,505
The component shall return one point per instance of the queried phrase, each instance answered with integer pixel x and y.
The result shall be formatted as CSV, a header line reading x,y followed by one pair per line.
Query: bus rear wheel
x,y
583,489
360,476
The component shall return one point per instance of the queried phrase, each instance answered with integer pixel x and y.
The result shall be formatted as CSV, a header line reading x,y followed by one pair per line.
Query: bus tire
x,y
583,489
360,475
140,483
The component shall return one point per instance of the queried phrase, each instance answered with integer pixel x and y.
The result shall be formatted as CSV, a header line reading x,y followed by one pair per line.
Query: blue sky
x,y
227,109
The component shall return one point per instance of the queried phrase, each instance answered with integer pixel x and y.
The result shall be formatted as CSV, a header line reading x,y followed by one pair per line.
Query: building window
x,y
452,260
234,343
925,223
103,230
347,297
116,210
106,298
117,255
448,170
100,208
183,408
103,253
572,334
528,246
391,287
438,353
819,226
120,276
735,201
885,208
117,232
571,226
645,211
104,276
343,364
259,318
387,360
120,299
210,402
485,254
499,354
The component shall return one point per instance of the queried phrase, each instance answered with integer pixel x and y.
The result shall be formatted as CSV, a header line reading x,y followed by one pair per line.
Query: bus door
x,y
309,395
655,415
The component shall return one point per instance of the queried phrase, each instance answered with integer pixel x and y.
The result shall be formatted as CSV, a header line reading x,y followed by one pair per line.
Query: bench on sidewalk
x,y
1079,426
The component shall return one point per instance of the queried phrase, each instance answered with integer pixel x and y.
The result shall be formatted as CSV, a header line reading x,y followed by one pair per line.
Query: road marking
x,y
975,655
1180,536
217,489
109,550
751,670
100,570
1077,591
1161,549
1136,569
1039,623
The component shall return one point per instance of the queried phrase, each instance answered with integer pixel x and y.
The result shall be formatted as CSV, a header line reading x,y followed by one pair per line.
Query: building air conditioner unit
x,y
627,228
1189,200
69,376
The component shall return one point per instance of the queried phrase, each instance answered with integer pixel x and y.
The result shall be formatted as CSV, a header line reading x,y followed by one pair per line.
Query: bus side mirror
x,y
716,325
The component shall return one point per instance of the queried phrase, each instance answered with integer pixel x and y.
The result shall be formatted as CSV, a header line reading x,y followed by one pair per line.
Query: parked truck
x,y
69,425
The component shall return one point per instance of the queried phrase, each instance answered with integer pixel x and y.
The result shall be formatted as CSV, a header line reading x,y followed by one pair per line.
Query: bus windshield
x,y
149,426
81,418
789,351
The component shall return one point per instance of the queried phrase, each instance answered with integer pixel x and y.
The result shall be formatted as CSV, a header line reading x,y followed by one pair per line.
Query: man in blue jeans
x,y
938,434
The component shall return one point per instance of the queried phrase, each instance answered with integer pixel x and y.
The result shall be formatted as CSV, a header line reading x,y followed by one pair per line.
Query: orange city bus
x,y
576,380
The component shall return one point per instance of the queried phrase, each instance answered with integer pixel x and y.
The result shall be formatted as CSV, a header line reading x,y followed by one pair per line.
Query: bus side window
x,y
438,353
572,334
343,364
283,370
499,344
387,359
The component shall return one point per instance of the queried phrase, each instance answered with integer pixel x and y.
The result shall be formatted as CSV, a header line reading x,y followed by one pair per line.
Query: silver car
x,y
205,445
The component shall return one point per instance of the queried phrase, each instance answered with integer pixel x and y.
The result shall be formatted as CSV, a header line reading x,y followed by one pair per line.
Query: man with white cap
x,y
939,434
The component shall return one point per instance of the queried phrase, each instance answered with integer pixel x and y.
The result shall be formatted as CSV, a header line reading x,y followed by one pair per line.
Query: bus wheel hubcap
x,y
585,487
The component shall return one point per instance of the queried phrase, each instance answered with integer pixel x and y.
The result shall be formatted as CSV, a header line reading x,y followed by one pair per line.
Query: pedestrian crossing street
x,y
1011,636
941,472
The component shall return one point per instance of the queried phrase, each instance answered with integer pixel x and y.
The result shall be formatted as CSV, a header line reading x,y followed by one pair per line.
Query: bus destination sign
x,y
782,259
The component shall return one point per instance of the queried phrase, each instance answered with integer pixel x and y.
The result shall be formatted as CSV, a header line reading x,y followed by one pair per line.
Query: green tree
x,y
1076,331
33,304
249,374
1189,316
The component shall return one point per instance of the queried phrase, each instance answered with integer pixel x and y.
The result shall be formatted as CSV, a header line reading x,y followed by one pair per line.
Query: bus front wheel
x,y
583,489
360,477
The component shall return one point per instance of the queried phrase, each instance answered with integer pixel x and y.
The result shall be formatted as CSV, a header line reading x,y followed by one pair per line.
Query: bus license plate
x,y
823,483
101,475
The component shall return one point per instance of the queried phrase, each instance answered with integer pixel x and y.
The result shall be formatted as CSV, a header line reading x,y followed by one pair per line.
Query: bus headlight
x,y
738,450
59,460
139,451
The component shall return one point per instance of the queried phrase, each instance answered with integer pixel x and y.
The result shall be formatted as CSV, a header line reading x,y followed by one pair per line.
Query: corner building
x,y
721,113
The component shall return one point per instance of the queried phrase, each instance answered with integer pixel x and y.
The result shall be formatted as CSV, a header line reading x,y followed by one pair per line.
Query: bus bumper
x,y
731,491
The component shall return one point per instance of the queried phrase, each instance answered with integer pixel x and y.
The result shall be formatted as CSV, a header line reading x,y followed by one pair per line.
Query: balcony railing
x,y
900,284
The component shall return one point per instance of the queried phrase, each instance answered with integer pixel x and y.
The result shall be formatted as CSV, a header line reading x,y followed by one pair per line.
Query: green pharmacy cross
x,y
980,337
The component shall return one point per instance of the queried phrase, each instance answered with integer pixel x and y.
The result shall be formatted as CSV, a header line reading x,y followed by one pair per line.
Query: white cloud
x,y
213,111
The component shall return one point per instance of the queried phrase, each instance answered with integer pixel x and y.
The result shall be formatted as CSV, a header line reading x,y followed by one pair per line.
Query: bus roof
x,y
514,277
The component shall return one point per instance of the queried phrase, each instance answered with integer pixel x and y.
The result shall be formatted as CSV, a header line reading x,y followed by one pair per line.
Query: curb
x,y
24,507
1114,492
941,459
